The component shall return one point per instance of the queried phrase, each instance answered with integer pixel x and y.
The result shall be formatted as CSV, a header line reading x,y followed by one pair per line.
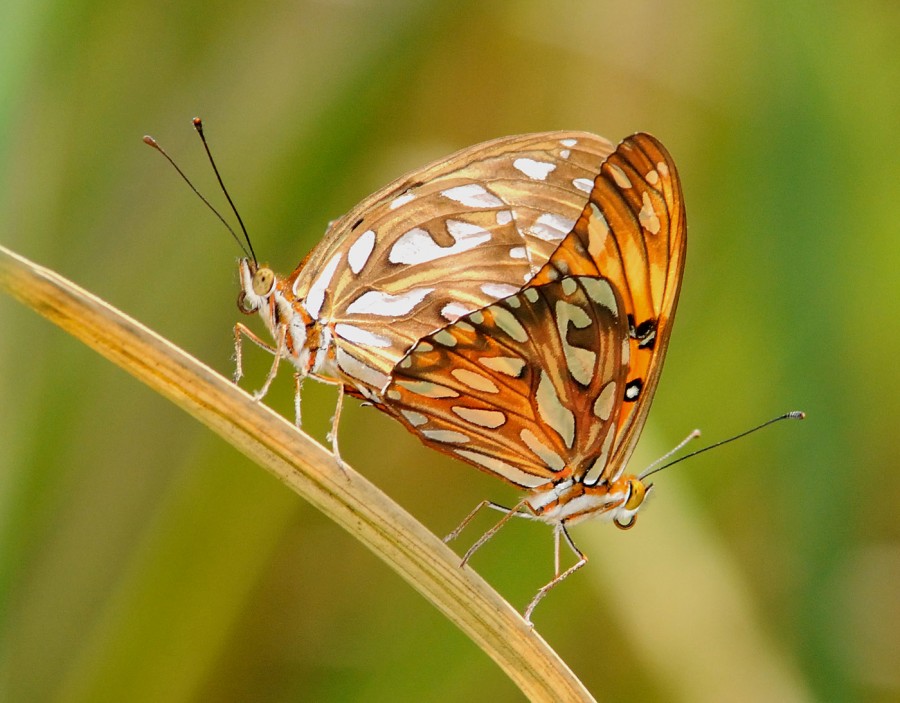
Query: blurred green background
x,y
145,560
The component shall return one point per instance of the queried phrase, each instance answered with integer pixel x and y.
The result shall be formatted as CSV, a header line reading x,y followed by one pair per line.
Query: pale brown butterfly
x,y
423,251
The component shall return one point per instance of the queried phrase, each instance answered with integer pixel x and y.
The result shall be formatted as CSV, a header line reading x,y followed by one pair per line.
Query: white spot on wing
x,y
376,302
652,177
568,142
316,296
361,250
509,365
554,414
580,362
413,418
551,227
647,215
504,217
498,290
584,184
599,466
402,200
428,389
417,246
479,416
453,311
535,170
518,253
475,381
358,335
598,231
507,322
619,176
550,458
603,405
473,195
446,436
600,292
444,338
501,468
354,368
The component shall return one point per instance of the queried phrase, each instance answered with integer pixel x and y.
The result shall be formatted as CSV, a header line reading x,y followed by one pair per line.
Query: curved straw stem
x,y
308,469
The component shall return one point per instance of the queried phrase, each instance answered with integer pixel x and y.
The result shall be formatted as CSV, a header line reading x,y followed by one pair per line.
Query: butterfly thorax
x,y
572,501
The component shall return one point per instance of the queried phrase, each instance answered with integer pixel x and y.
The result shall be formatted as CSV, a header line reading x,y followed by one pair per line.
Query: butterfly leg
x,y
240,331
335,420
582,560
468,518
298,386
521,509
279,352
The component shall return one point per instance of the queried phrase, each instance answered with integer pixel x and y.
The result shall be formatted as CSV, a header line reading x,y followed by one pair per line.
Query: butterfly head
x,y
635,493
258,284
263,292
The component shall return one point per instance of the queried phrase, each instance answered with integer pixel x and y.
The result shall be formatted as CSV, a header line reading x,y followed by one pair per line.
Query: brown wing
x,y
632,232
528,388
444,240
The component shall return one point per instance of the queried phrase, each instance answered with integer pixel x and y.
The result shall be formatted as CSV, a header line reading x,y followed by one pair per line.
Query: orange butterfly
x,y
548,388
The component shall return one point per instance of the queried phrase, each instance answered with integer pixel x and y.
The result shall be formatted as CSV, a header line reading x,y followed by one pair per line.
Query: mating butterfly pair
x,y
511,305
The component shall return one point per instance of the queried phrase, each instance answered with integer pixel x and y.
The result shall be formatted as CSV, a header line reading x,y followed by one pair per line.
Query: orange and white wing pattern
x,y
442,241
555,382
633,233
528,388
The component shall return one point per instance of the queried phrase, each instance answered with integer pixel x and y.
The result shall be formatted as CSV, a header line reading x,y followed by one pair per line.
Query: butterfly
x,y
421,252
549,388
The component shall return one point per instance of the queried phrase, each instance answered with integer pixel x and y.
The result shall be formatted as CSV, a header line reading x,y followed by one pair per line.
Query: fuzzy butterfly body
x,y
432,246
549,388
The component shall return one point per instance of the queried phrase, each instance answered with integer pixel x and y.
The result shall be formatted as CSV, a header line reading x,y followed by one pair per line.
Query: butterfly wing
x,y
443,241
632,232
528,388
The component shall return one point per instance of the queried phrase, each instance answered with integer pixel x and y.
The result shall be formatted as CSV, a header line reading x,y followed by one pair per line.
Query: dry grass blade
x,y
308,469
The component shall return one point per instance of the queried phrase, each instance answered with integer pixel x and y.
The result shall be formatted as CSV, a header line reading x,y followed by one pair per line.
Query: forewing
x,y
447,239
527,388
633,233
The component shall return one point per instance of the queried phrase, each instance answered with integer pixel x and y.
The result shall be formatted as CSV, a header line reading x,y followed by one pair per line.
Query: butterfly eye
x,y
262,281
636,493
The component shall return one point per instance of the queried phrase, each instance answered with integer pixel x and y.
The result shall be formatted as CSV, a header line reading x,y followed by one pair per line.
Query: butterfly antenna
x,y
681,445
150,141
198,125
793,415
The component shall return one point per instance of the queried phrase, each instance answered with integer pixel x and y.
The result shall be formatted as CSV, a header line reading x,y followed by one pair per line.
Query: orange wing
x,y
528,388
633,232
